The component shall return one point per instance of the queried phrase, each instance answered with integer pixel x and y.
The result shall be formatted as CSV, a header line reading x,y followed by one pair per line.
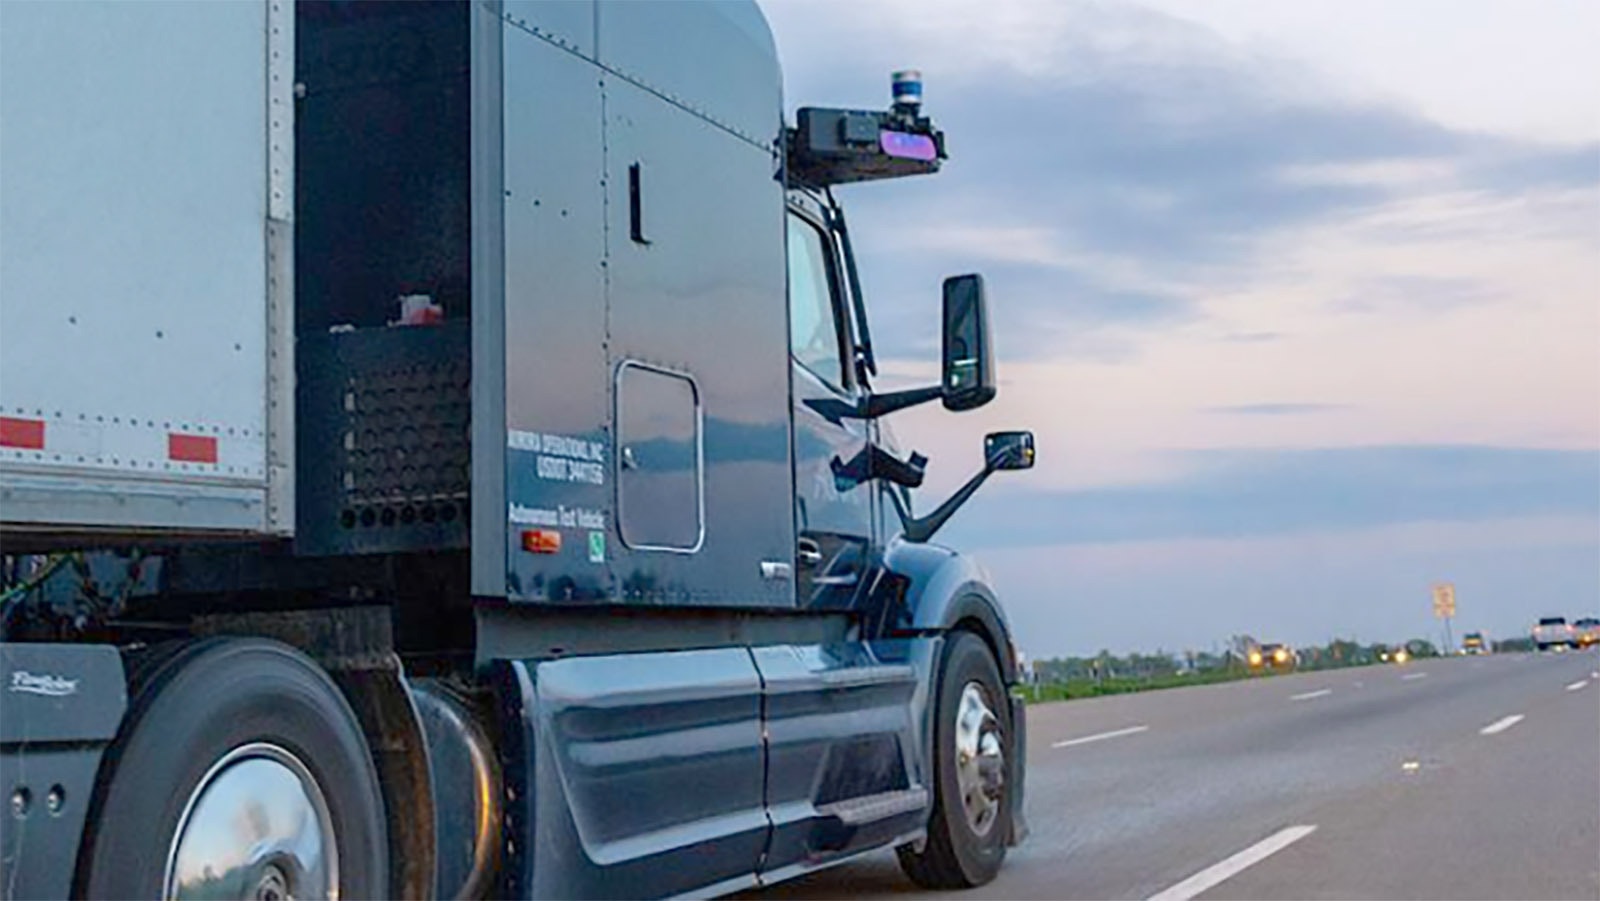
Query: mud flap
x,y
1019,772
63,704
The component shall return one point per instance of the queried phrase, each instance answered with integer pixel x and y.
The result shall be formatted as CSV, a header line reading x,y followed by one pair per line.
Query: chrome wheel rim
x,y
980,759
256,827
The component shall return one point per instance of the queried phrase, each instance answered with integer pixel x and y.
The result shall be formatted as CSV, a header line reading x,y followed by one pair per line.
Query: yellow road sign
x,y
1444,600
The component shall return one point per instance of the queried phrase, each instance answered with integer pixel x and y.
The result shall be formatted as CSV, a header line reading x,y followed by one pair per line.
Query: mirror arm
x,y
1002,450
875,405
920,529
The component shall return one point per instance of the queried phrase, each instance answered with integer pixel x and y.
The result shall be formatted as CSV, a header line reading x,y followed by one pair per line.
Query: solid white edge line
x,y
1308,695
1501,725
1117,733
1413,676
1577,685
1226,869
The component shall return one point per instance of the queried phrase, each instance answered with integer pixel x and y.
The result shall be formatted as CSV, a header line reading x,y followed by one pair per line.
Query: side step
x,y
862,822
872,808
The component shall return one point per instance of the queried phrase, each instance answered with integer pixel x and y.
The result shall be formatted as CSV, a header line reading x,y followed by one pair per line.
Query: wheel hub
x,y
256,828
980,758
273,885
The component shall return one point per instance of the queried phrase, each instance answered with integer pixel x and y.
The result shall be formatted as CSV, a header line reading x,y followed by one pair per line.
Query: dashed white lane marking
x,y
1306,696
1577,685
1102,736
1220,872
1501,725
1409,676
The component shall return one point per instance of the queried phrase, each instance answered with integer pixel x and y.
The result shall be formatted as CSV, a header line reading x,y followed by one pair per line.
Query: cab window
x,y
815,339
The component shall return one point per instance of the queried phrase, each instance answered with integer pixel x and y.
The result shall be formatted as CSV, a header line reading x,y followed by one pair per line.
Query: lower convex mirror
x,y
1008,450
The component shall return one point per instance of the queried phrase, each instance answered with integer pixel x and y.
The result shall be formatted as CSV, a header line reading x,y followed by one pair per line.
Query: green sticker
x,y
597,547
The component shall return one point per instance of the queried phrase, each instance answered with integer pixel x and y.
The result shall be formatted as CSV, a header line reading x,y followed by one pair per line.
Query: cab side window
x,y
815,338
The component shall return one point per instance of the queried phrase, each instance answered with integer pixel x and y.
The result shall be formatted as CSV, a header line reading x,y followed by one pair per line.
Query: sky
x,y
1302,301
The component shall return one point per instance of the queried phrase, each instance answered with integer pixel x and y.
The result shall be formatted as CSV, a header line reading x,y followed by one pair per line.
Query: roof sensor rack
x,y
839,146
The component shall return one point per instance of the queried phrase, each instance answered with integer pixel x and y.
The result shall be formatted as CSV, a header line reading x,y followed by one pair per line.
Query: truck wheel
x,y
966,840
239,772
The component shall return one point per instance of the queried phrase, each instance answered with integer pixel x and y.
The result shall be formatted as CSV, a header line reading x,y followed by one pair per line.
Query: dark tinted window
x,y
814,333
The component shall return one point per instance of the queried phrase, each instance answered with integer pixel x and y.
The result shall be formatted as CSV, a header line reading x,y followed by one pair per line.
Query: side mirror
x,y
1008,450
968,381
1001,451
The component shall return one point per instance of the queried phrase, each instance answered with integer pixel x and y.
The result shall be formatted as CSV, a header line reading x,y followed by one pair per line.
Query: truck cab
x,y
443,460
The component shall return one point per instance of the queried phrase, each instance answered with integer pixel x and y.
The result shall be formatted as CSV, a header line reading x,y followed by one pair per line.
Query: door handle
x,y
809,552
842,580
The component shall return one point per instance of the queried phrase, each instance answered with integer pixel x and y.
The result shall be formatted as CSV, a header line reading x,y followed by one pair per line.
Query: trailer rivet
x,y
55,799
21,798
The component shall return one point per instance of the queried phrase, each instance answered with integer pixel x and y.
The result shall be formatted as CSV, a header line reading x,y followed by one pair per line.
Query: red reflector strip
x,y
541,541
24,433
191,448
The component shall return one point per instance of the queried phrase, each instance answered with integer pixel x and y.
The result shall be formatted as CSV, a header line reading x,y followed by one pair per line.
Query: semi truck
x,y
440,456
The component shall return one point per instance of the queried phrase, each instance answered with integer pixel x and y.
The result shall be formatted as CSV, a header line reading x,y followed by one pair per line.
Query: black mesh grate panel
x,y
385,453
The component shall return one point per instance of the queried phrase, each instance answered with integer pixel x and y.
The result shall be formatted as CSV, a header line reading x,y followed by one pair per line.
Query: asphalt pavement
x,y
1468,777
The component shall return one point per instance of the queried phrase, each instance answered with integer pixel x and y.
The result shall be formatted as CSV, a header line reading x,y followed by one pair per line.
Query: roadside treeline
x,y
1106,673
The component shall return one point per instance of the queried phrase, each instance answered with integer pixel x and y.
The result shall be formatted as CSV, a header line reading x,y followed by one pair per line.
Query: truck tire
x,y
967,831
239,772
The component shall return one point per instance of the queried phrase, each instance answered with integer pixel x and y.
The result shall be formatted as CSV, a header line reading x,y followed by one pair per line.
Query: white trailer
x,y
146,355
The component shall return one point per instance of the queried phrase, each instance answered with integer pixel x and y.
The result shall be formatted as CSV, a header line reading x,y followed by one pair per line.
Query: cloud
x,y
1520,168
1244,493
1113,167
1277,409
1415,292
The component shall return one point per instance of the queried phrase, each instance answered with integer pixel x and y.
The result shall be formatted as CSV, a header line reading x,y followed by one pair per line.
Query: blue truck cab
x,y
605,577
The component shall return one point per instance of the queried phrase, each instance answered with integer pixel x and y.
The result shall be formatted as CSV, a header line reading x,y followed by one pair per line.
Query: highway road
x,y
1456,778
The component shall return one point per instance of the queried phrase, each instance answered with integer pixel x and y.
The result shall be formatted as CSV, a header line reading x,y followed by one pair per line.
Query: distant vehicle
x,y
1474,643
1588,631
1553,632
1387,654
1419,647
1273,656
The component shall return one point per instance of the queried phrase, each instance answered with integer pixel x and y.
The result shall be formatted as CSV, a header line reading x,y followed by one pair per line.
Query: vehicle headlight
x,y
1280,656
1255,658
1400,657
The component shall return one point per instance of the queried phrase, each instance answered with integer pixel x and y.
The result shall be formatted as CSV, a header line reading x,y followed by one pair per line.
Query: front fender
x,y
942,588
